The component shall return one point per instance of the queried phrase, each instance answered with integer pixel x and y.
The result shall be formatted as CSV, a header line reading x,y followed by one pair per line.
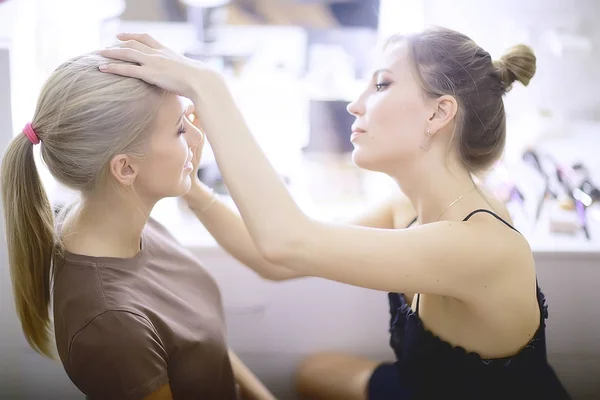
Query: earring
x,y
429,134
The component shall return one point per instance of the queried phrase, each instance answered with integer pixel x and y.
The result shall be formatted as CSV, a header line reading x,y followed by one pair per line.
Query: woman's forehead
x,y
394,58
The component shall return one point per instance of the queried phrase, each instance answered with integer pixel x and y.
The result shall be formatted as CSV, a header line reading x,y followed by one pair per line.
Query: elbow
x,y
274,277
276,272
277,251
283,265
281,249
286,248
271,278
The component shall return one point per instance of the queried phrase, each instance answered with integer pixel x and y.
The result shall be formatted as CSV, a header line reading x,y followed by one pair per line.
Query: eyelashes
x,y
381,86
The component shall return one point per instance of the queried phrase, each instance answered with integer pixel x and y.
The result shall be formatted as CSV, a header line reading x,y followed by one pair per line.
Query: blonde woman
x,y
135,315
431,116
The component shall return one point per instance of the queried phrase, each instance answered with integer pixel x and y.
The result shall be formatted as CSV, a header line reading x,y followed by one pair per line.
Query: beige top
x,y
126,327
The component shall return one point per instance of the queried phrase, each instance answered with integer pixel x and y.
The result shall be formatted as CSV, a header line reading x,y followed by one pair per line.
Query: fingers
x,y
132,71
195,123
135,45
190,109
130,55
190,114
196,149
143,38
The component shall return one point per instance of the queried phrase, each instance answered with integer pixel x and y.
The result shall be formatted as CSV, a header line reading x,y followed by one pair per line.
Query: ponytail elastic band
x,y
30,133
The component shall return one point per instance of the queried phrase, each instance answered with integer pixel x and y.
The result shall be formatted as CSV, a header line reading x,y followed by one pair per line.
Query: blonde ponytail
x,y
30,238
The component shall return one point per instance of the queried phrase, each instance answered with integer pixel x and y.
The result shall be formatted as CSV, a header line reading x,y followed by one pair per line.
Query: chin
x,y
363,161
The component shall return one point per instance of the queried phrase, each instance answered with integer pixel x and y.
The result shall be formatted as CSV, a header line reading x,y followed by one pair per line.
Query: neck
x,y
434,190
111,224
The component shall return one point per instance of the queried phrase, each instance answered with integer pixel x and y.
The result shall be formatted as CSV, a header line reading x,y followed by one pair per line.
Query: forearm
x,y
270,214
228,229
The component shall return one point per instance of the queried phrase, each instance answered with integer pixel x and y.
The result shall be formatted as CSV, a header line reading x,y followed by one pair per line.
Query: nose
x,y
356,107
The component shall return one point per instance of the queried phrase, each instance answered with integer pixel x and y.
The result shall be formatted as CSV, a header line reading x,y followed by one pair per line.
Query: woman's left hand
x,y
161,66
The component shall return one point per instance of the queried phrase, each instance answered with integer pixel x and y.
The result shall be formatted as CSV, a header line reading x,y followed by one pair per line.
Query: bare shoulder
x,y
394,211
505,250
511,287
498,233
497,206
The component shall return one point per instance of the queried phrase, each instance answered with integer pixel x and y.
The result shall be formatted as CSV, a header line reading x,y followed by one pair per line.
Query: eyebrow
x,y
378,71
180,118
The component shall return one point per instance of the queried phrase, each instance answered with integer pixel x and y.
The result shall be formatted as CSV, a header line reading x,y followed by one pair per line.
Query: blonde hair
x,y
84,118
450,63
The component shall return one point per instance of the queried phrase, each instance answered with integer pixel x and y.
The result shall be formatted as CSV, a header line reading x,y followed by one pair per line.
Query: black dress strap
x,y
465,219
499,218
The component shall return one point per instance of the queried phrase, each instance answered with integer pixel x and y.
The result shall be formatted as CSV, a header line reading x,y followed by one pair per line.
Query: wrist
x,y
210,91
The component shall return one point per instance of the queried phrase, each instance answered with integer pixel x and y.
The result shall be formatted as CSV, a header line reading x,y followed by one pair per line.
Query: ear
x,y
444,111
123,169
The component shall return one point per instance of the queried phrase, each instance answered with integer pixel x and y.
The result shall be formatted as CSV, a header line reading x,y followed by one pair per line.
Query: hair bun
x,y
517,64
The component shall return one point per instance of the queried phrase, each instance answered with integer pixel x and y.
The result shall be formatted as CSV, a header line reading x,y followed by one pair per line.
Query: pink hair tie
x,y
30,133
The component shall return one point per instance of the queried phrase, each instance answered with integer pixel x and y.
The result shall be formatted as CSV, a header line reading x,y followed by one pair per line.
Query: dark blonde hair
x,y
450,63
84,118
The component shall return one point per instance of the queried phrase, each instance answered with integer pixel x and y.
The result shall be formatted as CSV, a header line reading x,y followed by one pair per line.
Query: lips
x,y
356,133
357,129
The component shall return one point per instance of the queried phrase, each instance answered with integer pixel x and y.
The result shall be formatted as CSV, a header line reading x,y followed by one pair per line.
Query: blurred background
x,y
293,66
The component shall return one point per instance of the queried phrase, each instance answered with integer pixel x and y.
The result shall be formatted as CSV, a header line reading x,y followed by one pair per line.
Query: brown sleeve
x,y
117,356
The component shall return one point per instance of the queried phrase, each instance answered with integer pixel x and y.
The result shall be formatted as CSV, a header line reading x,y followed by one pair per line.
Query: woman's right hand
x,y
162,67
